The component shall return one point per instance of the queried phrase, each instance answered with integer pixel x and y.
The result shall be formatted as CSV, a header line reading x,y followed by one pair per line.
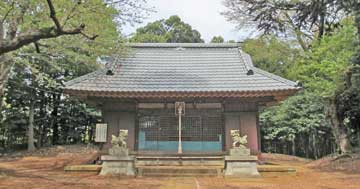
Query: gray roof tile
x,y
182,68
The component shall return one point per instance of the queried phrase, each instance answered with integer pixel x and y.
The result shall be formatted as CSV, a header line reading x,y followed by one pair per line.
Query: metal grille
x,y
191,129
212,128
150,126
161,131
168,129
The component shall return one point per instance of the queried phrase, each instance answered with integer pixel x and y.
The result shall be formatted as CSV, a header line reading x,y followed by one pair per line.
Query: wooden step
x,y
182,171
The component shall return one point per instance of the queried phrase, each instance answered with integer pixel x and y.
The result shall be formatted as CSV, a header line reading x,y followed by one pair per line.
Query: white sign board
x,y
101,132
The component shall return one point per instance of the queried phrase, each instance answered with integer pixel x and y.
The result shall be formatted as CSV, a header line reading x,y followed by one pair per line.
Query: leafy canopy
x,y
171,30
321,69
271,54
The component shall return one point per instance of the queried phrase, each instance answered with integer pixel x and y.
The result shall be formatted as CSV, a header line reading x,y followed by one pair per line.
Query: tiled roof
x,y
187,67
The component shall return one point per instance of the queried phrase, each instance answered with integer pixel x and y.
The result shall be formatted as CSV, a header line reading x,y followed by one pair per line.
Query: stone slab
x,y
241,169
119,151
180,163
275,168
241,158
239,152
183,171
117,158
118,165
118,168
86,168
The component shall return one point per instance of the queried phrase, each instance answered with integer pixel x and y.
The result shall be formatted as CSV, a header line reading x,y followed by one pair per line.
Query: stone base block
x,y
245,166
239,152
113,165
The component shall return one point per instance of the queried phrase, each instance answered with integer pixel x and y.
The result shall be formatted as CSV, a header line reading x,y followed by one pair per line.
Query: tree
x,y
328,67
343,111
38,93
171,30
26,22
297,127
299,18
217,39
321,72
271,54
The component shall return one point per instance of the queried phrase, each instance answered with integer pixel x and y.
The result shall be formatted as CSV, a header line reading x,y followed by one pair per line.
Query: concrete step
x,y
275,168
83,168
182,171
180,161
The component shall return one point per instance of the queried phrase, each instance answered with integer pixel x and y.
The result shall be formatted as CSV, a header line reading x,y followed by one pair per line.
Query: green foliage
x,y
39,76
271,54
320,69
302,116
217,39
298,120
171,30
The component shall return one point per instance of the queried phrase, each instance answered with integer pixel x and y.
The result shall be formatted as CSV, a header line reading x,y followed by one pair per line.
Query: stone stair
x,y
179,166
179,171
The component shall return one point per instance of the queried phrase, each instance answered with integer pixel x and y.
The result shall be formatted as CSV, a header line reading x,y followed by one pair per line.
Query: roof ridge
x,y
248,62
250,66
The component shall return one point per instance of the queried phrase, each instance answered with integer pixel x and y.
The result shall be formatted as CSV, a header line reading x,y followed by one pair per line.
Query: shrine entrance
x,y
201,131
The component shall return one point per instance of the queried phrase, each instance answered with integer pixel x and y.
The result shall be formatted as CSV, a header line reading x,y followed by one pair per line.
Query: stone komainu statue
x,y
120,141
238,141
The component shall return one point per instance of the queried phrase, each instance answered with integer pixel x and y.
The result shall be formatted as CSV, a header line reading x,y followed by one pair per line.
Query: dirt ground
x,y
45,170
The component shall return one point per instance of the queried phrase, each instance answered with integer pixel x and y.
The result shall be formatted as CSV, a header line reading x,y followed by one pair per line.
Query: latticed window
x,y
168,128
212,128
150,126
191,129
200,129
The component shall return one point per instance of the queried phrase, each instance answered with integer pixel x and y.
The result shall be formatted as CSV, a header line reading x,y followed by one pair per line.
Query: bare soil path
x,y
46,171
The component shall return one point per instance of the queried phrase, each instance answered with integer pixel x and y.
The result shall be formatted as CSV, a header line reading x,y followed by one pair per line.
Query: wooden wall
x,y
242,116
120,116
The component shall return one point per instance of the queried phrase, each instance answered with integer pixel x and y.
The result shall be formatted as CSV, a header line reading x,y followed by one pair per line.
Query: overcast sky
x,y
202,15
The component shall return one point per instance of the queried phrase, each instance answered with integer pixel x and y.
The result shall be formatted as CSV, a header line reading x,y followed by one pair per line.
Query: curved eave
x,y
277,94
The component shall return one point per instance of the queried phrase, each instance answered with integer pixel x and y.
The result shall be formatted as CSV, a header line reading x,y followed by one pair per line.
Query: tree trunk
x,y
338,128
54,117
314,145
31,146
297,32
42,113
5,67
293,147
322,20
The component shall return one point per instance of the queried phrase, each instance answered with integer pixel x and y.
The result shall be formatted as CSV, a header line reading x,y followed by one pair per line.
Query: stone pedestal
x,y
241,166
118,165
119,151
239,152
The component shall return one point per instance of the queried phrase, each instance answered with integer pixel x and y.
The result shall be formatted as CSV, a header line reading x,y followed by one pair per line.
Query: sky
x,y
202,15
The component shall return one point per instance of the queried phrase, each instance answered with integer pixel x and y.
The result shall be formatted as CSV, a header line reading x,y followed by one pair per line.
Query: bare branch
x,y
89,37
37,48
8,12
69,16
34,36
53,15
